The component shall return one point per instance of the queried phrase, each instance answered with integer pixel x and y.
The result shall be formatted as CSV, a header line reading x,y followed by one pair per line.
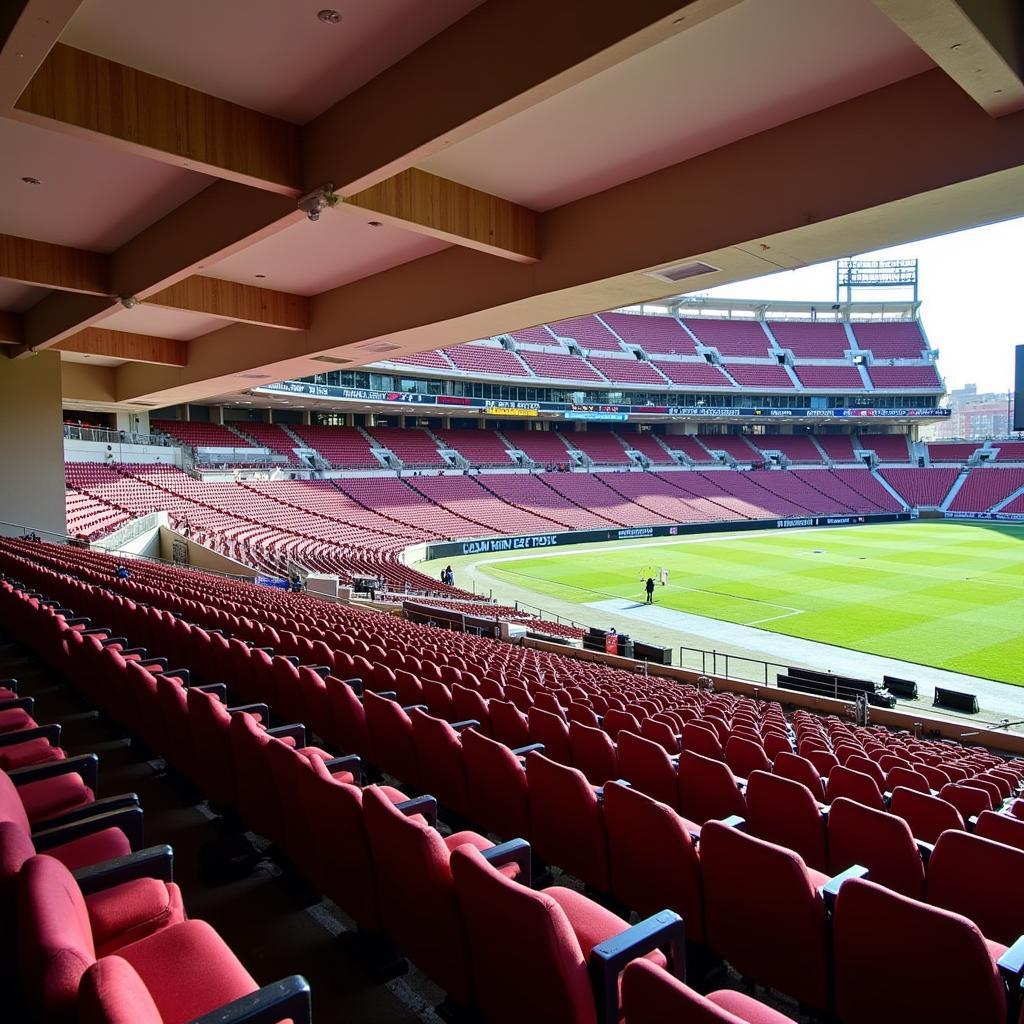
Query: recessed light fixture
x,y
31,181
375,223
329,16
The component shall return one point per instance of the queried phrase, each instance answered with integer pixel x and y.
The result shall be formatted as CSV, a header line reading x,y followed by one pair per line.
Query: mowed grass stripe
x,y
943,594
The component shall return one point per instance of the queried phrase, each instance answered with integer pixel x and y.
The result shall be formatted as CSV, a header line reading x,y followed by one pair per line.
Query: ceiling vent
x,y
332,360
254,376
151,405
383,347
684,271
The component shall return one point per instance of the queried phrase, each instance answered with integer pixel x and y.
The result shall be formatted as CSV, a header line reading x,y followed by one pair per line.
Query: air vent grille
x,y
684,271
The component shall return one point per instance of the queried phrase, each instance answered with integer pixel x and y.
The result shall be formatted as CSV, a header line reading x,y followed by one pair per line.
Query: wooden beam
x,y
28,29
53,266
453,212
82,93
137,348
978,43
233,301
10,328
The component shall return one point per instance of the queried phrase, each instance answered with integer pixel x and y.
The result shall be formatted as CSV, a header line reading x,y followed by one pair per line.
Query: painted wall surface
x,y
32,453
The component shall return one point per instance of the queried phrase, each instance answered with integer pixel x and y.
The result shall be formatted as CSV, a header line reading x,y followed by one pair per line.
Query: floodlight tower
x,y
855,274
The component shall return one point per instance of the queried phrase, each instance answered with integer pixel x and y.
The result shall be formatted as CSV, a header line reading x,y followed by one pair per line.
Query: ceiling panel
x,y
271,55
162,322
311,257
756,65
81,357
90,195
16,297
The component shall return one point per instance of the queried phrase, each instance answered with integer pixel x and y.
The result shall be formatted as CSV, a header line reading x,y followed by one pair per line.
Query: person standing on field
x,y
649,587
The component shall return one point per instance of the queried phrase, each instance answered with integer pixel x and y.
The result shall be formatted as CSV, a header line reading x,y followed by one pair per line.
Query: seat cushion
x,y
189,970
15,718
100,846
37,751
592,923
747,1009
112,992
458,839
129,912
54,796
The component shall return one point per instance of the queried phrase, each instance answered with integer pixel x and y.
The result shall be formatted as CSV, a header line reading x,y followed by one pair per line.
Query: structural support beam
x,y
28,29
452,87
138,348
455,213
978,43
233,301
81,93
10,329
758,205
53,266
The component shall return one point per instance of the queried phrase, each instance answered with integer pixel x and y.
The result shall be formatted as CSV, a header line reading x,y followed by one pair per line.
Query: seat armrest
x,y
925,849
288,999
182,674
830,890
425,805
265,650
515,851
609,958
122,641
218,690
79,620
9,684
290,657
50,732
86,765
213,629
323,671
469,723
386,694
26,704
523,751
296,730
356,684
741,783
736,822
153,862
349,763
96,630
1011,964
141,651
972,822
128,819
90,810
415,707
160,663
261,711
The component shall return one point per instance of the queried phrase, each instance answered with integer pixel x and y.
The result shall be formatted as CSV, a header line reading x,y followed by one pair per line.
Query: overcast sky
x,y
969,286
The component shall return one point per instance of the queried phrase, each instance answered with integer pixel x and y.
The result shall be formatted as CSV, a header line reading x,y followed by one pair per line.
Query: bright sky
x,y
969,284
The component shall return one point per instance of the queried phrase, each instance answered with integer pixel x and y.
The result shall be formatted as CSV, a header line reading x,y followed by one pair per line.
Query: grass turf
x,y
945,594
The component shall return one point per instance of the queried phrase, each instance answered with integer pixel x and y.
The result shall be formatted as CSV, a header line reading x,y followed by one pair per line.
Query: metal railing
x,y
730,666
106,436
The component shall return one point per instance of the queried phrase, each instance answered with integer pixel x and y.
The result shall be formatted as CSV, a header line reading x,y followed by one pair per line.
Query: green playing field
x,y
944,594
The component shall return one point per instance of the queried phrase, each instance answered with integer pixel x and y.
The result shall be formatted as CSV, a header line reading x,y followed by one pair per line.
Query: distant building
x,y
973,415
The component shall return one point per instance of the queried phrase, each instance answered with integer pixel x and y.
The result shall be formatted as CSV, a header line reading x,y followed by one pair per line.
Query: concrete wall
x,y
199,557
97,451
32,452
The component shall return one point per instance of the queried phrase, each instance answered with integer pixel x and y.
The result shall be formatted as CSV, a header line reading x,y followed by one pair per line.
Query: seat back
x,y
469,705
653,860
981,879
702,738
442,770
111,992
567,820
799,769
552,731
55,943
647,766
499,799
509,725
258,796
928,816
708,789
744,756
860,763
392,746
898,960
650,995
763,913
417,896
854,785
531,967
1003,828
881,842
11,807
784,812
593,753
348,718
900,776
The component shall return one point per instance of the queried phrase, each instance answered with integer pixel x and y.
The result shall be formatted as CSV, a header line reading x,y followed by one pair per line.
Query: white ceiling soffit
x,y
311,257
162,322
90,195
81,357
756,65
270,55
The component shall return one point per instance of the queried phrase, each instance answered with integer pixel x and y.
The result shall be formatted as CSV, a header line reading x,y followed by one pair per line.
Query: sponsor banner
x,y
994,517
576,411
271,581
487,545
